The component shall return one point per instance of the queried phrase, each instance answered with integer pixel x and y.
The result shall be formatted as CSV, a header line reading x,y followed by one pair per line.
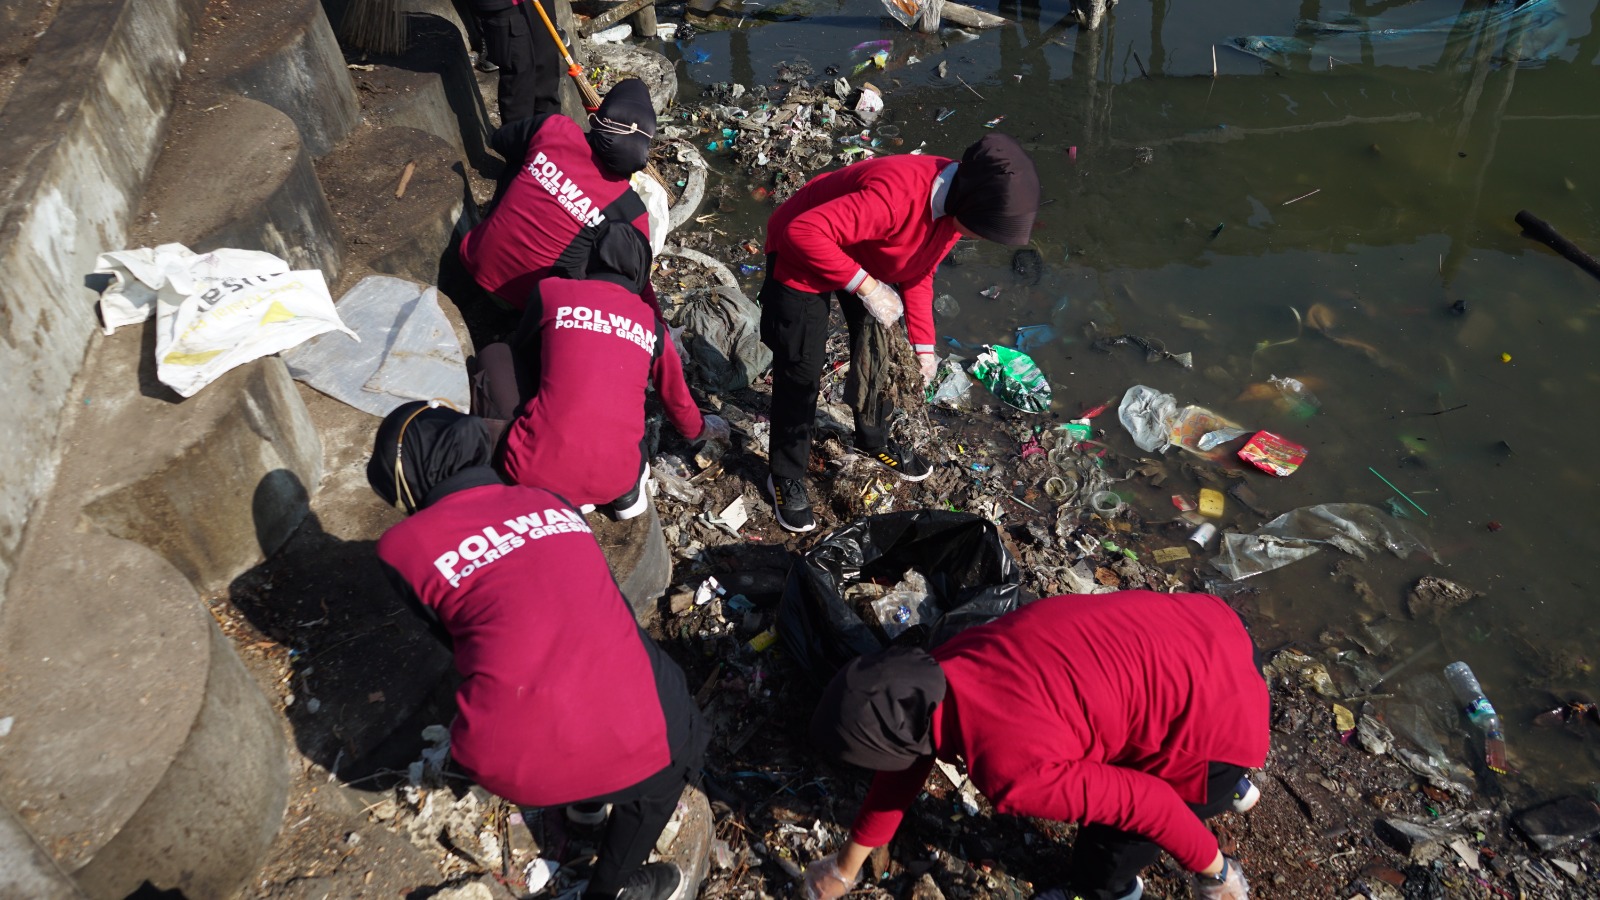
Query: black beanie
x,y
437,442
620,254
628,104
995,193
877,712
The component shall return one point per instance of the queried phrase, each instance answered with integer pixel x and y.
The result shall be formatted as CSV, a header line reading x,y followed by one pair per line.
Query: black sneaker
x,y
633,503
905,463
790,504
656,881
482,63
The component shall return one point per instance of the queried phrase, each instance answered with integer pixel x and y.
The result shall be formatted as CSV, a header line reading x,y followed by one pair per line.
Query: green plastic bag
x,y
1013,377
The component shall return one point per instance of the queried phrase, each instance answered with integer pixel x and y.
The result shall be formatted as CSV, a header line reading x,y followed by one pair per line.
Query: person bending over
x,y
559,186
856,233
1134,713
573,378
563,699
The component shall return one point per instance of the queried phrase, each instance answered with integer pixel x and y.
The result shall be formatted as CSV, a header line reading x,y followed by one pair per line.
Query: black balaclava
x,y
878,711
437,442
995,193
621,129
621,255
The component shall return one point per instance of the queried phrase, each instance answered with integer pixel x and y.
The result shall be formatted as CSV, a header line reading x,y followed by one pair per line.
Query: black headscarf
x,y
995,193
878,711
620,254
438,442
628,104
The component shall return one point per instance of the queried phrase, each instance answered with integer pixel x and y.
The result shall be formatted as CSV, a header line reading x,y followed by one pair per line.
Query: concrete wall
x,y
77,138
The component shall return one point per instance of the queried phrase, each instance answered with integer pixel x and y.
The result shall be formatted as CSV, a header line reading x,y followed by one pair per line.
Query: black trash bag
x,y
969,573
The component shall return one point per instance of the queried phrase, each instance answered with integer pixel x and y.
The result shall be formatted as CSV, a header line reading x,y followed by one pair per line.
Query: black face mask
x,y
621,129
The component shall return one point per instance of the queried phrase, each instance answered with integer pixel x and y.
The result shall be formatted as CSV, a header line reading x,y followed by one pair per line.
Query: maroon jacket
x,y
1100,708
559,188
600,346
875,215
562,698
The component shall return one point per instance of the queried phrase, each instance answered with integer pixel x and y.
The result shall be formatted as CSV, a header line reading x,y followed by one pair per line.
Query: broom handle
x,y
591,100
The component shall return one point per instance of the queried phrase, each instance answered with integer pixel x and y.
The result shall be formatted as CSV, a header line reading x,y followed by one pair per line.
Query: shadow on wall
x,y
360,664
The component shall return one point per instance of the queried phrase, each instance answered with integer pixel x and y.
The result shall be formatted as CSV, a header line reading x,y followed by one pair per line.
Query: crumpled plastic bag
x,y
1355,528
170,271
1148,415
722,338
909,12
407,351
1013,377
969,575
657,207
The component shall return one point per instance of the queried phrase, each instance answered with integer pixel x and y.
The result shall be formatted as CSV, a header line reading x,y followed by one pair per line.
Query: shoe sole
x,y
777,512
637,507
895,469
1248,801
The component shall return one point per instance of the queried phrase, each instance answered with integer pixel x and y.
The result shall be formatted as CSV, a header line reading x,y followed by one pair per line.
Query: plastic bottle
x,y
1479,711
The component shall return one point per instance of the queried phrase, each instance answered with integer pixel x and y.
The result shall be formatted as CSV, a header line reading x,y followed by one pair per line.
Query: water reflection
x,y
1406,250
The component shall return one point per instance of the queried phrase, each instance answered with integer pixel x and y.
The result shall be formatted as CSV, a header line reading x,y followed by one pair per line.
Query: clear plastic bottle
x,y
1479,711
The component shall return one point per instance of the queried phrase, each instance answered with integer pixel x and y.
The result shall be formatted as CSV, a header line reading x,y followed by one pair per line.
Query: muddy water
x,y
1420,155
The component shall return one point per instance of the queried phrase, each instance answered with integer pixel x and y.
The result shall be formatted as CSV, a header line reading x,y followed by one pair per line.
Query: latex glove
x,y
929,364
1233,885
715,429
824,881
884,302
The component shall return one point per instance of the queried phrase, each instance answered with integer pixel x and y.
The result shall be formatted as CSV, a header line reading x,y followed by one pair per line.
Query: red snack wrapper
x,y
1272,454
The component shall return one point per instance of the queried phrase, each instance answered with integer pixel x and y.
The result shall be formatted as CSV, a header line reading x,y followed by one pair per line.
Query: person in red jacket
x,y
563,698
586,352
1135,713
855,233
559,186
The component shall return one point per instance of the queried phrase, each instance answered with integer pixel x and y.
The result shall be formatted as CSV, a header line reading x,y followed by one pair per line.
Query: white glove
x,y
929,364
715,429
824,881
1231,886
884,302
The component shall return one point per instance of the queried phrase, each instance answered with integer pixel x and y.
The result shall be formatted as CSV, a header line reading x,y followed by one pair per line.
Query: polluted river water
x,y
1340,211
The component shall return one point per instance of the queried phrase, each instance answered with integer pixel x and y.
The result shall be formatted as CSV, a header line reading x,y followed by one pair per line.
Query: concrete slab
x,y
431,87
285,55
211,189
78,135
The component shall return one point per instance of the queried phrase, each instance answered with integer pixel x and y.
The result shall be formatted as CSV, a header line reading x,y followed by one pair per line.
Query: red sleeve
x,y
887,800
1069,791
819,234
666,373
918,296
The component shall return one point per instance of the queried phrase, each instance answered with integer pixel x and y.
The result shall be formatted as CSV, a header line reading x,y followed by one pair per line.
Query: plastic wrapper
x,y
951,386
1193,424
969,576
1148,415
1355,528
1013,377
909,12
1272,454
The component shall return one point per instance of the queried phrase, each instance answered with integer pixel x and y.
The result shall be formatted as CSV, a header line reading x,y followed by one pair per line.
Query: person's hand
x,y
715,429
882,301
928,364
824,881
1228,884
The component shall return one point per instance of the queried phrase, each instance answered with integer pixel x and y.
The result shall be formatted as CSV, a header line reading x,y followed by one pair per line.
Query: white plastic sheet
x,y
408,350
171,272
1355,528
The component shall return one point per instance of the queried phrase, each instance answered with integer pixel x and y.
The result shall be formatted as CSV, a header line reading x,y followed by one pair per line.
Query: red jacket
x,y
875,215
1100,708
579,436
562,696
559,187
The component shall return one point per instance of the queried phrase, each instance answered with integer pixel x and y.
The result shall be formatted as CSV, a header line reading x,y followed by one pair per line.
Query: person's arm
x,y
918,297
818,235
1129,800
415,604
666,373
511,139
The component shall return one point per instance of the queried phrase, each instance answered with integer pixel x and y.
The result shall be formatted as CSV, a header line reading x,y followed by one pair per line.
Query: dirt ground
x,y
316,625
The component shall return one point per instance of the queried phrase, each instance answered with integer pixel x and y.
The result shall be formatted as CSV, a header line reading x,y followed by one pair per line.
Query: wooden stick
x,y
1545,233
612,16
1301,197
405,178
971,88
967,17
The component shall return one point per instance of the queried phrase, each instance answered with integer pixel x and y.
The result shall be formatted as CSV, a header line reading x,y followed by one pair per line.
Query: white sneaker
x,y
635,501
1245,796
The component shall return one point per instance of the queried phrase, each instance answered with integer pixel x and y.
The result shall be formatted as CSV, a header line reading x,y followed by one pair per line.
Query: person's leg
x,y
794,324
508,42
1106,861
545,82
639,813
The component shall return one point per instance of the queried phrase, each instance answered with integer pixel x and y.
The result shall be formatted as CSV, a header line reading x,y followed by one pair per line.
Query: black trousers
x,y
794,324
1106,860
516,40
640,812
